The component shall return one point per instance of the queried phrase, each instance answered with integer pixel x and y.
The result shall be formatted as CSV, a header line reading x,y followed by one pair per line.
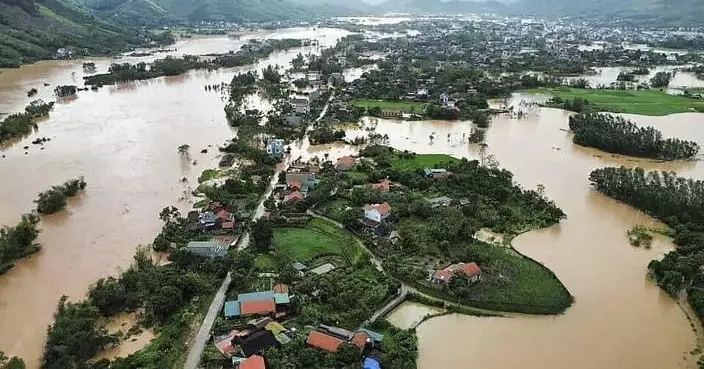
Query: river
x,y
123,139
620,319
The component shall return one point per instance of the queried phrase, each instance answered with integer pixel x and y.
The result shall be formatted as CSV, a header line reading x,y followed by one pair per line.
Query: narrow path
x,y
196,351
384,310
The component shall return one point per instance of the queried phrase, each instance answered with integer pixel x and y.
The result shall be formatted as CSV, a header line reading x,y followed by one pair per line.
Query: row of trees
x,y
54,200
618,135
18,241
171,66
677,201
20,124
577,104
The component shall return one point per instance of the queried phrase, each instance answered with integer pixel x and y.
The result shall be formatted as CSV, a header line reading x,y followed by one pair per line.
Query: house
x,y
252,362
303,177
275,148
376,338
256,342
377,212
301,105
258,303
294,196
345,163
469,270
280,288
437,202
384,185
208,220
207,248
324,341
313,76
294,185
392,113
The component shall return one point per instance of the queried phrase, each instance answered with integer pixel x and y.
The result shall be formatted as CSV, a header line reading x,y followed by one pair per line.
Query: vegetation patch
x,y
410,107
316,239
647,102
618,135
640,236
18,241
54,200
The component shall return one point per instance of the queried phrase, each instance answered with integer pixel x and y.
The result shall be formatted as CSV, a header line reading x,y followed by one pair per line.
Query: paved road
x,y
196,351
204,333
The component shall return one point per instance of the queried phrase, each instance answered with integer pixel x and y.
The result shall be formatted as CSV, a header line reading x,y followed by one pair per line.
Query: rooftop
x,y
324,341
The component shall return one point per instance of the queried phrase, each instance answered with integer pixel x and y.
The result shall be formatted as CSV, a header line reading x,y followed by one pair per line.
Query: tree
x,y
51,201
262,234
661,79
184,150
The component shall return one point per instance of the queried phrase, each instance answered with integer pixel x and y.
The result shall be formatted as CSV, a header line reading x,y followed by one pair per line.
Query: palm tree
x,y
184,149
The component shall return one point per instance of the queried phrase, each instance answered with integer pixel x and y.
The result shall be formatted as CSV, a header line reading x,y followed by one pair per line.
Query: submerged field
x,y
650,102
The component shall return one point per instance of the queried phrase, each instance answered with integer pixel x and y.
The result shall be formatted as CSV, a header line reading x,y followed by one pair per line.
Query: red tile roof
x,y
443,275
280,288
224,215
471,270
257,307
253,362
360,339
324,341
383,209
345,162
294,196
384,185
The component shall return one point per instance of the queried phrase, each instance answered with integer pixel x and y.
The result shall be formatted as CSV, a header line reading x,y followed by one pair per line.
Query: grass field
x,y
651,102
405,106
318,238
420,161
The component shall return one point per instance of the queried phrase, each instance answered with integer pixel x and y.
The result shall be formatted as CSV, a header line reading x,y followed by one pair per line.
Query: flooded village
x,y
392,192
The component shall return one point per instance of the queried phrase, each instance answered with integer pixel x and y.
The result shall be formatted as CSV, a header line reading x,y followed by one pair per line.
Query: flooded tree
x,y
184,150
618,135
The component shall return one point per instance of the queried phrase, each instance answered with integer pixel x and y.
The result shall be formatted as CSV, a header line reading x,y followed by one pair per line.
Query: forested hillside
x,y
33,30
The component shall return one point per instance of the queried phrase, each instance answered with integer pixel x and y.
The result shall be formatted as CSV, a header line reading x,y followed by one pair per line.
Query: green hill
x,y
33,30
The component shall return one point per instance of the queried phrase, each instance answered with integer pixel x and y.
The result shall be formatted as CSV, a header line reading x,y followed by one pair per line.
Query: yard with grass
x,y
410,107
648,102
318,238
420,162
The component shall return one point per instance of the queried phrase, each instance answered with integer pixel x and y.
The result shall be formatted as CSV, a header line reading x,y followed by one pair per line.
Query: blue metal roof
x,y
232,309
370,363
282,298
256,296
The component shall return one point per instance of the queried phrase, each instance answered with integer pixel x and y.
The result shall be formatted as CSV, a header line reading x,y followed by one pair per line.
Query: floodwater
x,y
123,139
620,319
608,75
409,314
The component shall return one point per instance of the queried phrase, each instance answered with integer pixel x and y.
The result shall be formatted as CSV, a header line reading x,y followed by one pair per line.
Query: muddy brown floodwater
x,y
123,139
620,319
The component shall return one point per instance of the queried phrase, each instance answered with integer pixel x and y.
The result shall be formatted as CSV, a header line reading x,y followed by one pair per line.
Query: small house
x,y
301,105
275,148
207,248
432,172
313,76
392,113
384,185
377,212
324,341
469,270
252,362
294,196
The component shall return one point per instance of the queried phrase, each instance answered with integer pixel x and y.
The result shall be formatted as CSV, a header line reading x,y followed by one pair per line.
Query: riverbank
x,y
646,102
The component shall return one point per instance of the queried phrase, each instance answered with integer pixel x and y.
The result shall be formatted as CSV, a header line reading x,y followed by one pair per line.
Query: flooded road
x,y
620,319
123,139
